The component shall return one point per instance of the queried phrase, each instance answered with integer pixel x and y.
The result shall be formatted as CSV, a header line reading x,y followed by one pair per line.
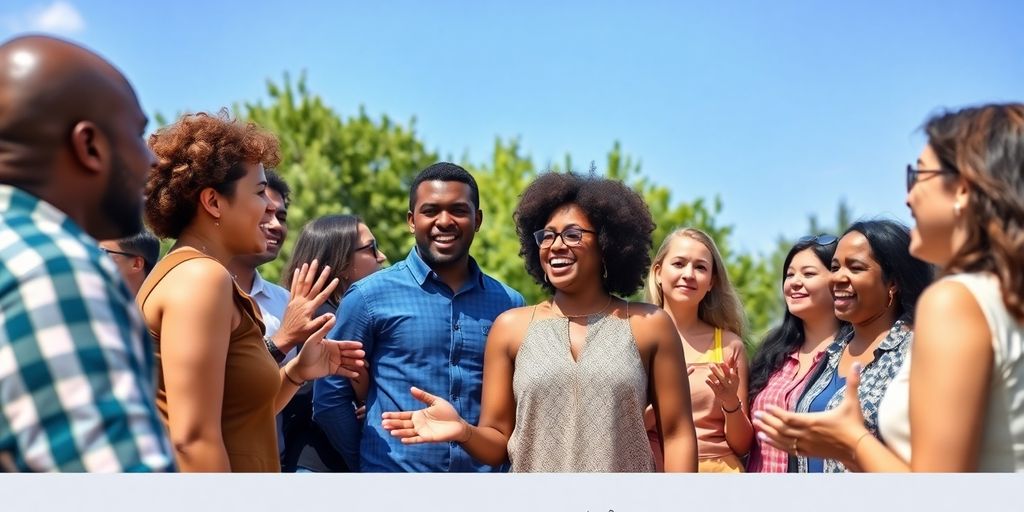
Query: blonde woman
x,y
689,281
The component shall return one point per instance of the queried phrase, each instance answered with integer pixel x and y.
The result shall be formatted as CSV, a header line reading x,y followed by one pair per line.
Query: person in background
x,y
345,244
269,297
76,378
875,283
135,257
219,389
958,403
689,281
786,356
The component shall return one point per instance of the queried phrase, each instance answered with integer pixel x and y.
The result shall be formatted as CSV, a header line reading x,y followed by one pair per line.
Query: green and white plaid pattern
x,y
76,364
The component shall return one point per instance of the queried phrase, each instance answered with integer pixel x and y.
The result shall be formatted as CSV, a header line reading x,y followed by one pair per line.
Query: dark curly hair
x,y
620,217
197,152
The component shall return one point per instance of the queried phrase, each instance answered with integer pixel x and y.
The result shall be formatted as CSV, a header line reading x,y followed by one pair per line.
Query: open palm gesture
x,y
439,422
831,434
724,381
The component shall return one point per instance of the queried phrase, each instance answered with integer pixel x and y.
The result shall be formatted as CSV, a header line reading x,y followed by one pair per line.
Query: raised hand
x,y
831,434
320,357
439,422
724,381
308,292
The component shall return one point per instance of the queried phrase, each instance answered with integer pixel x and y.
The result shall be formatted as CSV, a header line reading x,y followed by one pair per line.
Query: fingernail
x,y
758,415
762,436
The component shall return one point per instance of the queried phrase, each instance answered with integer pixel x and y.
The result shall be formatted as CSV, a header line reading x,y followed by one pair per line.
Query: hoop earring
x,y
891,295
546,278
605,265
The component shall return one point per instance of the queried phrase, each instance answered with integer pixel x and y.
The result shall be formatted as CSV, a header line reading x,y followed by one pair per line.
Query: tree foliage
x,y
364,165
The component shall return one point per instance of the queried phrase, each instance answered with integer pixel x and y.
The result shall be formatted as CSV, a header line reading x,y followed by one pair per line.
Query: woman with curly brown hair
x,y
566,381
218,387
689,280
958,403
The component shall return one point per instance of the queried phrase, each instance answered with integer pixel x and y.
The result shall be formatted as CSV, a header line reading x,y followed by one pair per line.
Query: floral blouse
x,y
874,381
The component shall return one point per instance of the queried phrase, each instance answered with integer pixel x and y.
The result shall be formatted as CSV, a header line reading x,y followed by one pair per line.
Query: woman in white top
x,y
963,395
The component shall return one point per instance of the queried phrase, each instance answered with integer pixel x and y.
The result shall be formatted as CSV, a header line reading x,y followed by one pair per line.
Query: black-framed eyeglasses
x,y
912,174
821,239
571,237
128,254
372,246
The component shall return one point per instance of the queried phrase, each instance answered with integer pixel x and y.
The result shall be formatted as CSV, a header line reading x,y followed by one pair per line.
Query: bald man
x,y
76,365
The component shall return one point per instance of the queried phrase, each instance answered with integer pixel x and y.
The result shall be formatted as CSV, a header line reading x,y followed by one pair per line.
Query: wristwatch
x,y
274,351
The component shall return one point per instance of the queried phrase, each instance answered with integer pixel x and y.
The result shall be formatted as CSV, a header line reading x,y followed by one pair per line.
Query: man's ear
x,y
479,220
408,220
90,147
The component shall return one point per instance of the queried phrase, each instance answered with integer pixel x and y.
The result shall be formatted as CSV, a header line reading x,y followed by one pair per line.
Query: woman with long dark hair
x,y
785,357
875,284
344,244
959,404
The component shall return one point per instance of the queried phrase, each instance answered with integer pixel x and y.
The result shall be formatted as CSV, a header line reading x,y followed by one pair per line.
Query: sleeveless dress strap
x,y
716,352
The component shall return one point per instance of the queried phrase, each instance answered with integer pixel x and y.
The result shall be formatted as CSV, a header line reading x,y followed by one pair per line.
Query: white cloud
x,y
60,17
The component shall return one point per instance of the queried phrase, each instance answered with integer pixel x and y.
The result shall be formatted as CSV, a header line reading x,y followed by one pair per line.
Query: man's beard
x,y
121,205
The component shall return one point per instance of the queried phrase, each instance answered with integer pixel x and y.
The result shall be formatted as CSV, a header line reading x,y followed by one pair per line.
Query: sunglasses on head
x,y
822,239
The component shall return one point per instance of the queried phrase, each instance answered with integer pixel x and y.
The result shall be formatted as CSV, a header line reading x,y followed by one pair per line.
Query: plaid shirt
x,y
782,390
76,366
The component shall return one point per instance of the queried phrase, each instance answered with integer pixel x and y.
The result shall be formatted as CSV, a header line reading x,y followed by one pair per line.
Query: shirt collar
x,y
16,200
897,334
421,271
259,286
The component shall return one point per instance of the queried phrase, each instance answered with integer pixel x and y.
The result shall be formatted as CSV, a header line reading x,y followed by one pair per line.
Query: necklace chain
x,y
563,315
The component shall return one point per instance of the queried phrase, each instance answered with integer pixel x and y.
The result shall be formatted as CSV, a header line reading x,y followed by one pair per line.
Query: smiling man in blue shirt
x,y
423,322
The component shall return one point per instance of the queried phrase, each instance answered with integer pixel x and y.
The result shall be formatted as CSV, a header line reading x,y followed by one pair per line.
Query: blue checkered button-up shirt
x,y
416,332
76,365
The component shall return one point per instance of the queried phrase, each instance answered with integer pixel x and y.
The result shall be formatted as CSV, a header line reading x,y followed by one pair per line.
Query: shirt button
x,y
455,327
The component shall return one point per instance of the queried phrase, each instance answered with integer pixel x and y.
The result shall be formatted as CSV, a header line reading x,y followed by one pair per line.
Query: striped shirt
x,y
416,332
76,365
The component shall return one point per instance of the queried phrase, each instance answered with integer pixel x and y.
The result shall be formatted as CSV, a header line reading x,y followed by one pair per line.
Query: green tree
x,y
358,165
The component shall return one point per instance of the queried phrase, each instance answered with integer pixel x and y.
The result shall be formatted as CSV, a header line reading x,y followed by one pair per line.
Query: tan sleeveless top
x,y
584,416
708,417
251,380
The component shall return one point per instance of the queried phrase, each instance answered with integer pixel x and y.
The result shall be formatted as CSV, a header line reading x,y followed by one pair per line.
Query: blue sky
x,y
781,108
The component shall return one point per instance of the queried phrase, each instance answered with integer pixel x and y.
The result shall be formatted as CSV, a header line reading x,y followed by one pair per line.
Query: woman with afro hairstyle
x,y
566,381
219,388
689,280
957,404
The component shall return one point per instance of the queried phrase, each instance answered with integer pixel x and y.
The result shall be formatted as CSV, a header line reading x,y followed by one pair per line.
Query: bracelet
x,y
739,404
290,379
857,444
274,351
469,428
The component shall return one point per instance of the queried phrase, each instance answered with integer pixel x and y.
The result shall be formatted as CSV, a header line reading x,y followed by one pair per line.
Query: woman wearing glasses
x,y
566,381
959,406
688,279
346,245
784,359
